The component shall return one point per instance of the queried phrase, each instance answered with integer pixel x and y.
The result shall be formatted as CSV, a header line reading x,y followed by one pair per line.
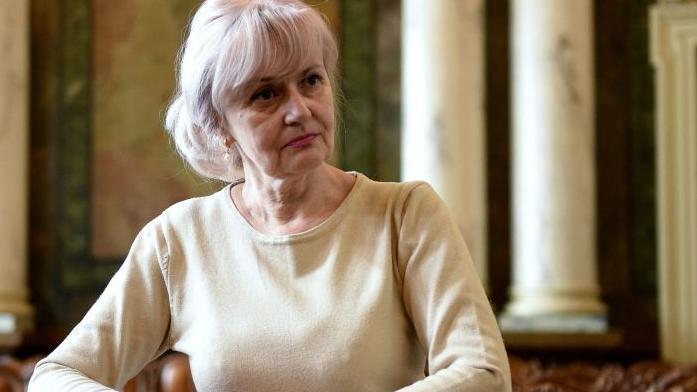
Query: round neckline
x,y
321,227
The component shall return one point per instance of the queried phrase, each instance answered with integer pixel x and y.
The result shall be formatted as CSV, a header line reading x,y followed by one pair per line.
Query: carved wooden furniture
x,y
171,374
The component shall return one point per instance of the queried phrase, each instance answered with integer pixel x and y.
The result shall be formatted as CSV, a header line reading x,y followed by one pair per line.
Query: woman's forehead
x,y
279,67
280,71
277,48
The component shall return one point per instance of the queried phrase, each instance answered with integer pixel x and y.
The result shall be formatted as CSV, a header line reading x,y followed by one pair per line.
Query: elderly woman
x,y
297,276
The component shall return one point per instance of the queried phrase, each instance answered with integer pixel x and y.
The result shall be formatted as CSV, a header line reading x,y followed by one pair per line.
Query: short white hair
x,y
231,42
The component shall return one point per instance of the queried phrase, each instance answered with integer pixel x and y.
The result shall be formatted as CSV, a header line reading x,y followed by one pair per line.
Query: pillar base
x,y
555,309
559,323
12,328
542,301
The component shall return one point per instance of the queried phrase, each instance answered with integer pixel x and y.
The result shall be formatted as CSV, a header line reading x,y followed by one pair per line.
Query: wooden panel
x,y
44,52
498,128
625,174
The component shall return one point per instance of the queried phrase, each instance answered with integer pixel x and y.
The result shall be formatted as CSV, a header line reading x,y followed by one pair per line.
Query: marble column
x,y
15,312
554,273
673,46
443,110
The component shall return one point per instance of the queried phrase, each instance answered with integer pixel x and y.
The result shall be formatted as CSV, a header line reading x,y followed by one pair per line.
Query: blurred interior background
x,y
562,134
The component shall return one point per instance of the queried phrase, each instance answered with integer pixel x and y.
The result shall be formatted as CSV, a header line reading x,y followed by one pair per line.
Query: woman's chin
x,y
307,166
306,161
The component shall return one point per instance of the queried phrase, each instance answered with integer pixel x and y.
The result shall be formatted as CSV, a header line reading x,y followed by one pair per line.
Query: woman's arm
x,y
124,330
446,302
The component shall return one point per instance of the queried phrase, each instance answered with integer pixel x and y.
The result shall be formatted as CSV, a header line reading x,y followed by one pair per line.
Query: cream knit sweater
x,y
357,303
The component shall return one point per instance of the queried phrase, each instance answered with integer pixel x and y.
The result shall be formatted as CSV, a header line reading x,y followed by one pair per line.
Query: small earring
x,y
228,149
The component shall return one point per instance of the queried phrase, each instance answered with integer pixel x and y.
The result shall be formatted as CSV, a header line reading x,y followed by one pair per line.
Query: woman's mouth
x,y
302,141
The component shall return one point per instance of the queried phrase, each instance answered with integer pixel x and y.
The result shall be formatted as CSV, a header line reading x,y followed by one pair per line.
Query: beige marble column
x,y
554,273
673,48
443,110
15,312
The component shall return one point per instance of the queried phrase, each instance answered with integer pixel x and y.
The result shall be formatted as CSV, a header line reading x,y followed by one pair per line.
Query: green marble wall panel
x,y
72,148
388,89
358,69
370,68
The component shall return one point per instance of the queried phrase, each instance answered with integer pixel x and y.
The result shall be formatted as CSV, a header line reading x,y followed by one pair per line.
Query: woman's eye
x,y
313,79
264,94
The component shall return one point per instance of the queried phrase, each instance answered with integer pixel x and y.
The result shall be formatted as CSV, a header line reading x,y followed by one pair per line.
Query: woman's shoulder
x,y
397,197
398,191
196,210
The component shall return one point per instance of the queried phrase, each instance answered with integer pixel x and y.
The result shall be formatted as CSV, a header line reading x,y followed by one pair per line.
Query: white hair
x,y
231,42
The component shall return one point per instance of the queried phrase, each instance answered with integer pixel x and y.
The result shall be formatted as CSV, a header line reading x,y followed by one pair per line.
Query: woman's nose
x,y
296,108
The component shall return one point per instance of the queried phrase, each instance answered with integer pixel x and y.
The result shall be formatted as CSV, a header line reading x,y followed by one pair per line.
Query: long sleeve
x,y
446,302
125,329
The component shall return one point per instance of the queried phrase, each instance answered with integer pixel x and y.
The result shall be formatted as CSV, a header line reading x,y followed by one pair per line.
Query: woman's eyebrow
x,y
267,79
312,68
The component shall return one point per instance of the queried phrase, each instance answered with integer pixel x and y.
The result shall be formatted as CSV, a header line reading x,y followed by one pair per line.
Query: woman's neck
x,y
292,204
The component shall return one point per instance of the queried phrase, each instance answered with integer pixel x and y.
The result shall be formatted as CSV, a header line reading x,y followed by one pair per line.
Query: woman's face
x,y
284,125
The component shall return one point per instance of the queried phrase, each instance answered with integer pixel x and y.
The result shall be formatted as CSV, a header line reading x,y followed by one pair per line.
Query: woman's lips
x,y
302,141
